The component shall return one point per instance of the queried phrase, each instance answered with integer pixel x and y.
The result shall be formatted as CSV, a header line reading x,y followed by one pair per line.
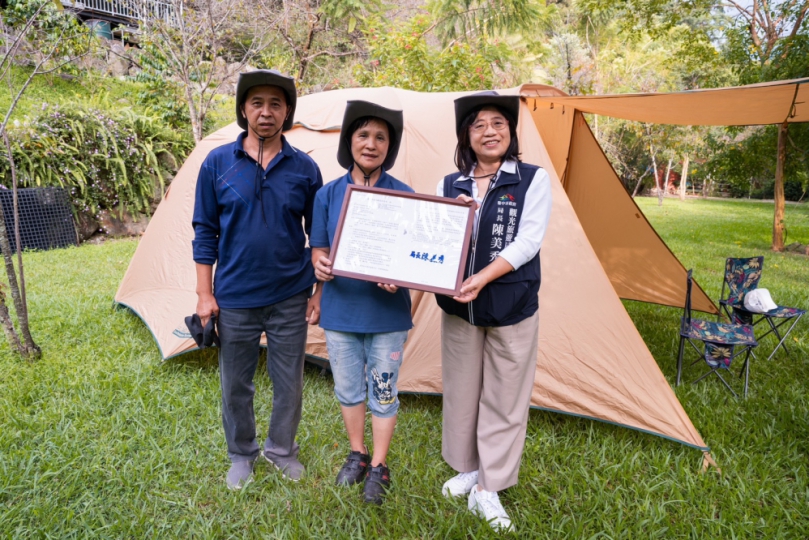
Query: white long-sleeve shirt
x,y
533,221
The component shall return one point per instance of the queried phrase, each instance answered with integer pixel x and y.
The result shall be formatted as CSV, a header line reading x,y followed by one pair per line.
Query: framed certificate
x,y
405,239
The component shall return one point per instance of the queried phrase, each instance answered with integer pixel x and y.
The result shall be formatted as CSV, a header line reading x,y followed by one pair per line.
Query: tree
x,y
403,58
602,47
462,19
202,44
53,39
316,30
771,26
684,177
760,43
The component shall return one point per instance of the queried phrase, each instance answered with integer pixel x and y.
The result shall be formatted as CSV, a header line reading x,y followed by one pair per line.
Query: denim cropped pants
x,y
240,333
367,365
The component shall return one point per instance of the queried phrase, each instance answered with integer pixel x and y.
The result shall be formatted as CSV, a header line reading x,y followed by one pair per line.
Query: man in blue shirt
x,y
253,198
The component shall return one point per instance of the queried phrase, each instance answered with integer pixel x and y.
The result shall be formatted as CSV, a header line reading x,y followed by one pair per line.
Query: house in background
x,y
673,181
119,19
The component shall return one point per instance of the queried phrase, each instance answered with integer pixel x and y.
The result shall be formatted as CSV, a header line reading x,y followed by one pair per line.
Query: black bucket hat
x,y
358,109
472,103
265,77
204,337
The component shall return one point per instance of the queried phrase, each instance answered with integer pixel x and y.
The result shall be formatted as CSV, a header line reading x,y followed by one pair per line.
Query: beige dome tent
x,y
591,361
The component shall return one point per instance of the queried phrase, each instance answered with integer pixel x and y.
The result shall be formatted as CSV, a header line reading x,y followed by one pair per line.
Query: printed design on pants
x,y
395,356
383,387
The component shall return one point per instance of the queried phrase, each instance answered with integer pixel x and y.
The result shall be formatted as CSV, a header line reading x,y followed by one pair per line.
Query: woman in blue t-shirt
x,y
366,324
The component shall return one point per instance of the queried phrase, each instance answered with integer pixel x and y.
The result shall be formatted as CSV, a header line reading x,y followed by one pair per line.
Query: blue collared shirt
x,y
351,305
258,263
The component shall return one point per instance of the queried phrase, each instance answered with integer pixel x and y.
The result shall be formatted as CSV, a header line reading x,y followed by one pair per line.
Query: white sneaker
x,y
460,485
486,504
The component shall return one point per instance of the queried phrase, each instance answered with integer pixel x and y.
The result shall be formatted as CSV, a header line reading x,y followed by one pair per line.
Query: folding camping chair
x,y
741,277
720,342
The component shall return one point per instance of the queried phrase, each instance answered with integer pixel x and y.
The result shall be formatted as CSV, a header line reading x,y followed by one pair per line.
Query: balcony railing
x,y
127,10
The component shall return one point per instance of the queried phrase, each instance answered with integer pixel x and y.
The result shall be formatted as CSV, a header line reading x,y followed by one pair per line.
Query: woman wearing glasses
x,y
489,331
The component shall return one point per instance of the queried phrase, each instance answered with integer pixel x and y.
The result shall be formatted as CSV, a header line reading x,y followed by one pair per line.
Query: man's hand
x,y
313,306
313,311
390,288
206,306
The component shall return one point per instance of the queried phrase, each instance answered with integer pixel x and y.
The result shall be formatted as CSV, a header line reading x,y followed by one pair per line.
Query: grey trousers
x,y
240,333
488,377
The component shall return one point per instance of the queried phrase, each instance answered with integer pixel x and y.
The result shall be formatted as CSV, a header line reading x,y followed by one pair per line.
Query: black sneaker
x,y
376,484
354,469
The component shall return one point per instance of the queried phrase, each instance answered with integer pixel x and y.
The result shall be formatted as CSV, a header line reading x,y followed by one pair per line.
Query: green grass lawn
x,y
102,439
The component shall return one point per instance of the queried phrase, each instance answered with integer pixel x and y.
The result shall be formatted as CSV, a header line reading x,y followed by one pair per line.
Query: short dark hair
x,y
360,123
465,157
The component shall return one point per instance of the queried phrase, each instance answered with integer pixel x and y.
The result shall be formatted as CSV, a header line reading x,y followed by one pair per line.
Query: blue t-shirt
x,y
351,305
261,256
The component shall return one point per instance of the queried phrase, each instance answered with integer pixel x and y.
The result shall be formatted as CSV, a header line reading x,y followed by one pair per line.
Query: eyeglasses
x,y
497,125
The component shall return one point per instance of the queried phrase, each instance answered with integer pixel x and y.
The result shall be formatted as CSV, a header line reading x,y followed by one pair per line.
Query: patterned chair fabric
x,y
718,355
783,312
720,339
741,277
721,333
742,316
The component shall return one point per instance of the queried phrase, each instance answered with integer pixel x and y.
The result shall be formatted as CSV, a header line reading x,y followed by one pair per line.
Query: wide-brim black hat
x,y
359,109
472,103
265,77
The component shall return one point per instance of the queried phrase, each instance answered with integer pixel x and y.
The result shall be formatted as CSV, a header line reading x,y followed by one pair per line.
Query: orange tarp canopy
x,y
755,104
638,263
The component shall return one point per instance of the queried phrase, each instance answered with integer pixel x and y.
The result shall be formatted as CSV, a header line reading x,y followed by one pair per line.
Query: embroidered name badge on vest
x,y
504,225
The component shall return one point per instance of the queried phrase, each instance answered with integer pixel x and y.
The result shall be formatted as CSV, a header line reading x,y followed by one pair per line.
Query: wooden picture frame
x,y
378,227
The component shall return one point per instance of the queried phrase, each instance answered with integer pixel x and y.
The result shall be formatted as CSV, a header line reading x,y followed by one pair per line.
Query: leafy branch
x,y
456,19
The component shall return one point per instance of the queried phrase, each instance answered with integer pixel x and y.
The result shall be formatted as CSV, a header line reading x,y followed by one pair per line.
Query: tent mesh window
x,y
46,220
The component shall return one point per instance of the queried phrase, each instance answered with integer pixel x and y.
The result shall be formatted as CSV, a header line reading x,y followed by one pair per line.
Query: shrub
x,y
746,159
161,95
793,191
112,161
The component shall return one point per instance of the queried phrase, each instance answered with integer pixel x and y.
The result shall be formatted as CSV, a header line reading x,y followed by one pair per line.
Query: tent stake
x,y
708,461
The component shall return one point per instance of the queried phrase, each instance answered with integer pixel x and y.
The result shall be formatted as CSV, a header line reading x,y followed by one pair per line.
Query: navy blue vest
x,y
514,296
